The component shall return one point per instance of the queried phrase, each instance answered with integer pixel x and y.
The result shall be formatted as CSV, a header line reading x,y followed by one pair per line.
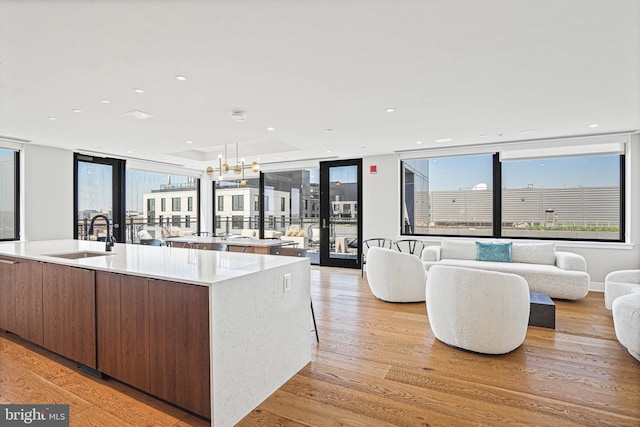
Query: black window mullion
x,y
622,197
497,196
261,206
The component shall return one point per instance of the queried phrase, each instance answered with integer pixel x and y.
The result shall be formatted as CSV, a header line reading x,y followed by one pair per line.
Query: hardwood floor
x,y
378,364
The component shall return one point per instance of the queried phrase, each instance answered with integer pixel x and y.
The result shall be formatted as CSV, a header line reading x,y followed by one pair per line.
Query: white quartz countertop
x,y
193,266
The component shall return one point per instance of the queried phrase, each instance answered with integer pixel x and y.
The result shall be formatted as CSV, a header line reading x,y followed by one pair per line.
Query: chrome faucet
x,y
110,241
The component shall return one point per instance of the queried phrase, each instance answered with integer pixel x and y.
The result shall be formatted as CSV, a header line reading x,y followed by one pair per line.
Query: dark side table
x,y
543,310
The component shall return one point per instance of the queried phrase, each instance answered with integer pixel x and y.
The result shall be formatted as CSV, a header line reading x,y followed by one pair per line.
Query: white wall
x,y
46,190
381,215
381,197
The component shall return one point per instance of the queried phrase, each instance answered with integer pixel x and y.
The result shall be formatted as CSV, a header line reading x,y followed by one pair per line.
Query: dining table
x,y
234,244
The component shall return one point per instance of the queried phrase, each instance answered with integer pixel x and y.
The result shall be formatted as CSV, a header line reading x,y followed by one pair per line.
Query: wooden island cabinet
x,y
154,335
69,312
21,298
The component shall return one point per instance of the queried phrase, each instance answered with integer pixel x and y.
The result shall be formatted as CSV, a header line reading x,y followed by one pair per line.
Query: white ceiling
x,y
474,71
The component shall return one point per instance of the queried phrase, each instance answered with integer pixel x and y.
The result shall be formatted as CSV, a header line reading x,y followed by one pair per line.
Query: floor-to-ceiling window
x,y
9,192
137,202
161,204
235,209
98,191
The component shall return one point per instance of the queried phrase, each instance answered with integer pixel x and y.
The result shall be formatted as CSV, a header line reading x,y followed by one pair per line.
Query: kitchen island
x,y
213,332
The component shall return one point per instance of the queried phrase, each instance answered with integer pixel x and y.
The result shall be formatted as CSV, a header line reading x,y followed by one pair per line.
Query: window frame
x,y
237,203
16,195
497,205
176,202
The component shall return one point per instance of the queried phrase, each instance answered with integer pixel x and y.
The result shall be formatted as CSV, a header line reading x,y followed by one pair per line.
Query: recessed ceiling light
x,y
105,101
75,110
139,114
130,152
51,118
181,78
271,129
529,130
484,135
189,142
594,125
138,90
418,142
390,110
328,151
444,140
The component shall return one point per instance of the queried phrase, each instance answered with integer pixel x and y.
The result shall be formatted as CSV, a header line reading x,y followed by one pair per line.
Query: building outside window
x,y
176,220
237,202
220,203
163,205
190,204
176,203
151,211
282,204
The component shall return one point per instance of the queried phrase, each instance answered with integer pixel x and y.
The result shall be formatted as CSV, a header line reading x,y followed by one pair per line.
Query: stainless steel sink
x,y
80,255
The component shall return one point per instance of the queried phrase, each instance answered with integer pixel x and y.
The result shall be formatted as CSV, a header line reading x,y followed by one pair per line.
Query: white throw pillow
x,y
455,249
534,253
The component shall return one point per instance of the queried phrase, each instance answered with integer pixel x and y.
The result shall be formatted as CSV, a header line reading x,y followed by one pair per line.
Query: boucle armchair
x,y
477,310
622,297
620,283
395,276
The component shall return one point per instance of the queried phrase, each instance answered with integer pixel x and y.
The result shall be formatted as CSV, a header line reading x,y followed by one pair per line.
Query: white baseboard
x,y
596,286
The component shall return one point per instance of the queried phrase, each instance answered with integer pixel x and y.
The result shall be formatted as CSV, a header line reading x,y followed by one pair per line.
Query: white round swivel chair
x,y
622,297
477,310
395,276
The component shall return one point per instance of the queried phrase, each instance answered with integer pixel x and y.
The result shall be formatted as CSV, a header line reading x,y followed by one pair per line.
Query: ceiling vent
x,y
238,116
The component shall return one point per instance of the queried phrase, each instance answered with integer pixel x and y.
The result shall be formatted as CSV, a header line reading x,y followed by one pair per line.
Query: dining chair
x,y
412,246
218,247
297,252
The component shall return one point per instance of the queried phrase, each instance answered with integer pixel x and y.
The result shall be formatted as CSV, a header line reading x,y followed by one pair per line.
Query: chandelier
x,y
238,169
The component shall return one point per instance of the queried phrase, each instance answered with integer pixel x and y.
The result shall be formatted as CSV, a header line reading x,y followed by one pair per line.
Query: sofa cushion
x,y
497,252
454,249
534,253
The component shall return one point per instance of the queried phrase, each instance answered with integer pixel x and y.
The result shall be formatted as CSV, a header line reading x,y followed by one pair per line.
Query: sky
x,y
94,182
465,172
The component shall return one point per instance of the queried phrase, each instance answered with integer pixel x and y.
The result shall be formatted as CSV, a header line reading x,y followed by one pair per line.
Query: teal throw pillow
x,y
497,252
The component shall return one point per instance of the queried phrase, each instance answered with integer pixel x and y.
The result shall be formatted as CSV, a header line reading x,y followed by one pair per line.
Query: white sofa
x,y
558,274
